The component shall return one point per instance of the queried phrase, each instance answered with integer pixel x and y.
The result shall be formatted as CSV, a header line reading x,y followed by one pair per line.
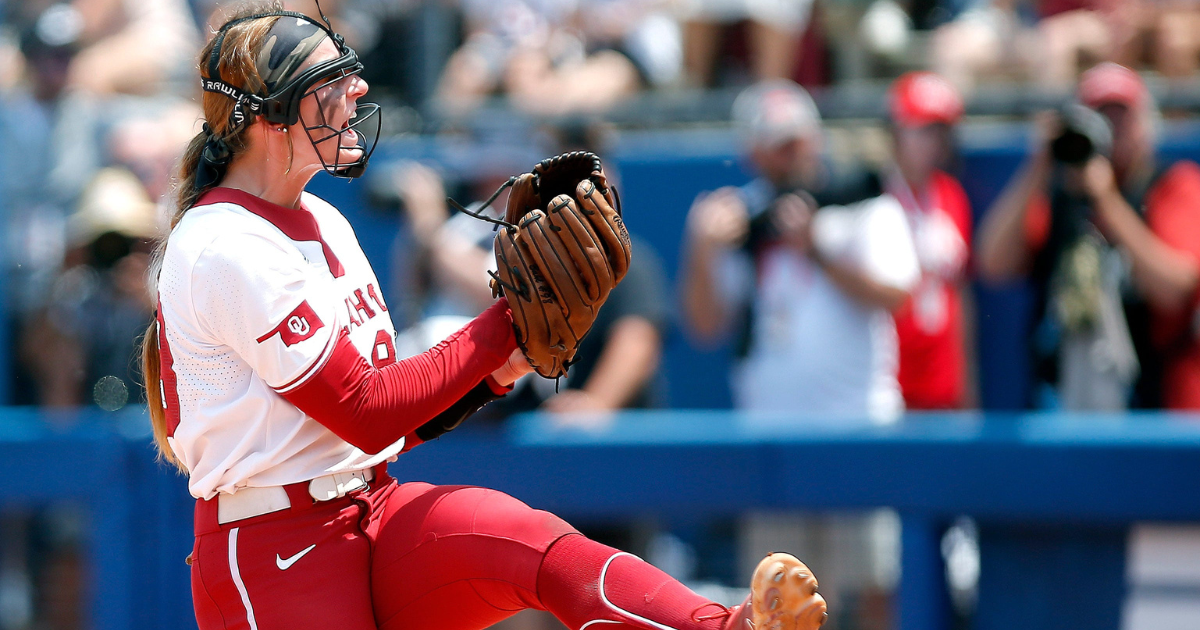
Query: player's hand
x,y
513,369
792,216
718,219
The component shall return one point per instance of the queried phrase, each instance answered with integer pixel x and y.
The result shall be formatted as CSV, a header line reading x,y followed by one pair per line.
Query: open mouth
x,y
344,148
348,137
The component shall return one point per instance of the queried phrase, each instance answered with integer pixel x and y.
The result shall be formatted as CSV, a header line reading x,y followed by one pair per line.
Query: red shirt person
x,y
933,367
1146,209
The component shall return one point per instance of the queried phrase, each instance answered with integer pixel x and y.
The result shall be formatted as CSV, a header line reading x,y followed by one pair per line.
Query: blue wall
x,y
1081,480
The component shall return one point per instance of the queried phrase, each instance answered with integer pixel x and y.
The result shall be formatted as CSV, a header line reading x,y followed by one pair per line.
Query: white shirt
x,y
814,349
252,297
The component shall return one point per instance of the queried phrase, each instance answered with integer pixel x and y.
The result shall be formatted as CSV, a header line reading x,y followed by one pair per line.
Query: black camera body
x,y
841,187
1085,132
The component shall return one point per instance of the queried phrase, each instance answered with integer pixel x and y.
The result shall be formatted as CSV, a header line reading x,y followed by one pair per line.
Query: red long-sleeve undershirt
x,y
372,408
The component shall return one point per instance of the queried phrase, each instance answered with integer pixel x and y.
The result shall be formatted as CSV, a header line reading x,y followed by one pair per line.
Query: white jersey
x,y
252,298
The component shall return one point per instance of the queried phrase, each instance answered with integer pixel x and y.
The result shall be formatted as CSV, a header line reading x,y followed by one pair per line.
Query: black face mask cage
x,y
282,106
366,115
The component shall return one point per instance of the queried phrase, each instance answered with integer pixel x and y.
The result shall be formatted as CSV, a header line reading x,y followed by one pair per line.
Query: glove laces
x,y
478,214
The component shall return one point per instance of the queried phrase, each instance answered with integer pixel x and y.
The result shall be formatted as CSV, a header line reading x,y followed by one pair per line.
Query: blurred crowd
x,y
842,286
99,97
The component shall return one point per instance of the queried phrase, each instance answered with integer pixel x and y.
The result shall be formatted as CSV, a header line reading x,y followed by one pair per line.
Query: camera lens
x,y
1072,147
1085,132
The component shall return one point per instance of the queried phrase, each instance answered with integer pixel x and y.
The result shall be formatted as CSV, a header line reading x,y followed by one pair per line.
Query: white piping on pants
x,y
617,609
237,578
584,626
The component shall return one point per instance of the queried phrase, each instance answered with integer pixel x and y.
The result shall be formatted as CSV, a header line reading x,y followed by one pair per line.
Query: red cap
x,y
917,99
1109,83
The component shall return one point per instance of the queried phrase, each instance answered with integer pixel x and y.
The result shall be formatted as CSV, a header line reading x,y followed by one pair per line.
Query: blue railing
x,y
1053,483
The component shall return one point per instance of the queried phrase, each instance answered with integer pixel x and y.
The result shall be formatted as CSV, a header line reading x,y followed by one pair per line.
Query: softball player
x,y
275,385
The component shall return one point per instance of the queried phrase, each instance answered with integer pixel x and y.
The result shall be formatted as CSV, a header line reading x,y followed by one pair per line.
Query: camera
x,y
1084,133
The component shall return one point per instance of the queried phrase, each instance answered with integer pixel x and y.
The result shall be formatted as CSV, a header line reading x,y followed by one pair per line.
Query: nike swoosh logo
x,y
284,565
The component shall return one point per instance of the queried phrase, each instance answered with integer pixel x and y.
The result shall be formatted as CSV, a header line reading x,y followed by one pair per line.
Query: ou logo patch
x,y
298,325
302,323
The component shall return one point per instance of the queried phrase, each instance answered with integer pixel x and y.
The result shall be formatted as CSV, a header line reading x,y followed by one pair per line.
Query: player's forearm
x,y
1003,252
703,310
372,408
1166,277
627,362
485,392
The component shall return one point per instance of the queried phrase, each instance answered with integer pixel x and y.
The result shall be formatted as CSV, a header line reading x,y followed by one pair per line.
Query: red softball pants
x,y
415,556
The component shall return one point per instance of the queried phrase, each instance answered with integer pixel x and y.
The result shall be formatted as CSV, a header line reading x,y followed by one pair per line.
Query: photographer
x,y
1110,237
808,293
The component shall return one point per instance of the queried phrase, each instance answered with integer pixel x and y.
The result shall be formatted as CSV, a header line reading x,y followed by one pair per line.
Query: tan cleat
x,y
783,596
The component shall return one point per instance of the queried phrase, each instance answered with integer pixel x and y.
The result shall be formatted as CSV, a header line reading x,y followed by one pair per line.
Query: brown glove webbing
x,y
560,174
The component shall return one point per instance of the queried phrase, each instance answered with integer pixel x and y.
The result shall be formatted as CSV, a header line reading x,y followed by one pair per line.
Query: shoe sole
x,y
783,594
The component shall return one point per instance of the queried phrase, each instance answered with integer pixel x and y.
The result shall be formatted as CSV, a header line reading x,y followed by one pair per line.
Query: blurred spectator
x,y
149,139
986,40
558,56
81,347
1167,34
1074,34
121,46
79,334
1111,240
617,363
440,255
1176,36
886,29
47,148
616,366
811,291
931,326
775,29
403,43
645,31
999,38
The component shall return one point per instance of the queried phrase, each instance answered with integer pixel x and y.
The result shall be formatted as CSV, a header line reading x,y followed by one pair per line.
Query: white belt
x,y
250,502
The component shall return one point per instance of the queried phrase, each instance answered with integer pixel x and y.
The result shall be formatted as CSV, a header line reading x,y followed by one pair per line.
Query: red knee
x,y
432,537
